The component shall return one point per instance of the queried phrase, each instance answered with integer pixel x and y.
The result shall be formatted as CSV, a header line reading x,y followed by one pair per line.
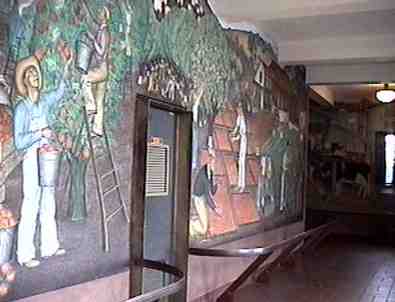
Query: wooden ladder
x,y
101,192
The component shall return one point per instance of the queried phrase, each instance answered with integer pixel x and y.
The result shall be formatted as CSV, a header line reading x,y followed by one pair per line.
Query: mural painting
x,y
339,165
62,147
248,152
70,72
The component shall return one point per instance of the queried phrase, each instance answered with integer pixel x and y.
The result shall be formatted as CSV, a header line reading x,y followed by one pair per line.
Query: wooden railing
x,y
283,252
163,292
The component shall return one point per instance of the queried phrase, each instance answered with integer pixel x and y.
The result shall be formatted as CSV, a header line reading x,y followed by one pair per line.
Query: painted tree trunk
x,y
77,210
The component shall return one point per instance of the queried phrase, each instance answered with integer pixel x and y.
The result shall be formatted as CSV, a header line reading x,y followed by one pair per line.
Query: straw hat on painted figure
x,y
22,66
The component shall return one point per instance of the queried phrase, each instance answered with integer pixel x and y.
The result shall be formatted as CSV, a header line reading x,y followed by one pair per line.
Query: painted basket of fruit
x,y
5,125
7,278
7,230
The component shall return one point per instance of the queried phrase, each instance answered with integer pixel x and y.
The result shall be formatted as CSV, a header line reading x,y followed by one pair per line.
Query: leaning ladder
x,y
100,191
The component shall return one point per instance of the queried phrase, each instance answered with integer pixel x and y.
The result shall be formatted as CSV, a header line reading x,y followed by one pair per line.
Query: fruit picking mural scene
x,y
248,149
69,72
62,145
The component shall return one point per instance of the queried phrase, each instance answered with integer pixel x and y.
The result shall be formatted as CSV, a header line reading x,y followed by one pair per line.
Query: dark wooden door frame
x,y
379,150
182,179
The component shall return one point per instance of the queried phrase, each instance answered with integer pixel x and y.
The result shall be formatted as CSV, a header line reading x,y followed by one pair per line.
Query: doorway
x,y
160,188
159,194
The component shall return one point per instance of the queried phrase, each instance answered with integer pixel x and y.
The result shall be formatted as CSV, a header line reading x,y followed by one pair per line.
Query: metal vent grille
x,y
157,177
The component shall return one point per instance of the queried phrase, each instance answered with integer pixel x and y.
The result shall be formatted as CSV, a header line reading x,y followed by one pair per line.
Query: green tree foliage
x,y
211,60
64,22
55,23
200,50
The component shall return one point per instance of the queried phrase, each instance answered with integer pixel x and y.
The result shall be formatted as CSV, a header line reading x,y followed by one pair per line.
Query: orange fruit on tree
x,y
4,289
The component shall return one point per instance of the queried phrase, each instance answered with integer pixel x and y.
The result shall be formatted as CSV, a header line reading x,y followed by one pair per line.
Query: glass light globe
x,y
385,95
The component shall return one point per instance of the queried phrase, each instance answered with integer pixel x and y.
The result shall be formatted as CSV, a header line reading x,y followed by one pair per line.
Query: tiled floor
x,y
346,270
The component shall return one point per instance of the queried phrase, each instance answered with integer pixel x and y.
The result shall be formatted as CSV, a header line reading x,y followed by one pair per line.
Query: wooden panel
x,y
137,194
244,206
255,169
222,139
380,157
250,179
182,196
219,120
224,223
231,167
182,185
219,167
229,118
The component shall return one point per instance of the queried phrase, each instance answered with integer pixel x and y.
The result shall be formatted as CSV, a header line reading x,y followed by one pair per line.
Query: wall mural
x,y
248,149
339,170
65,99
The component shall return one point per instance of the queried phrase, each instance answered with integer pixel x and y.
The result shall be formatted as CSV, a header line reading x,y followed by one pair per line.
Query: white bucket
x,y
84,55
4,92
48,162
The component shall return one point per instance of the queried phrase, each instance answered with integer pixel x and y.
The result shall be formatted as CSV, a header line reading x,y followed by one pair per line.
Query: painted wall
x,y
206,279
380,119
338,141
64,56
209,276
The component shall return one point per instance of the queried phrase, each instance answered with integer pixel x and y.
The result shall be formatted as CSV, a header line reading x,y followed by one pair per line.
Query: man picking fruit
x,y
32,132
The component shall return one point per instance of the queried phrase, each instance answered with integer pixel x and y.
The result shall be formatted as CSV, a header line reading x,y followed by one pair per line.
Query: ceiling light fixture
x,y
385,95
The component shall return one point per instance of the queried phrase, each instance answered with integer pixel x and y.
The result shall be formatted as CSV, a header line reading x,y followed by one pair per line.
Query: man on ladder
x,y
94,88
95,81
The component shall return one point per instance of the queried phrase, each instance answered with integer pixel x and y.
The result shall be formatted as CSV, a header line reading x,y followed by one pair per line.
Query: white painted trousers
x,y
36,201
282,196
200,226
242,162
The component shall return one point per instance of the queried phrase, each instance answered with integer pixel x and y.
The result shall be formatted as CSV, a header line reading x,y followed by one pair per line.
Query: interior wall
x,y
381,119
206,275
249,131
114,288
346,129
340,167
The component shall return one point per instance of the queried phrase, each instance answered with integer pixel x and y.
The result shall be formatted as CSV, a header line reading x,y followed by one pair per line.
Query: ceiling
x,y
347,46
264,10
348,94
316,31
330,26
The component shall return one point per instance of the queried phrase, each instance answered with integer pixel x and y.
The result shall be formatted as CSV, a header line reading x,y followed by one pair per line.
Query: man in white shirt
x,y
239,133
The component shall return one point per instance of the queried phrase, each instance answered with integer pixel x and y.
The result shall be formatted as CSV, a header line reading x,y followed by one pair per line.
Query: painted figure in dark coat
x,y
203,193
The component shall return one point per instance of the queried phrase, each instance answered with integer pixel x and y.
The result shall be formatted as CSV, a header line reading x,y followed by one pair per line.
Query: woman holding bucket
x,y
95,67
32,135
